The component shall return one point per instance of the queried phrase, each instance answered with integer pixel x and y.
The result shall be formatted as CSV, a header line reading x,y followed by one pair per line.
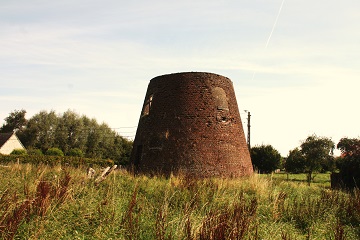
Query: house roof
x,y
4,137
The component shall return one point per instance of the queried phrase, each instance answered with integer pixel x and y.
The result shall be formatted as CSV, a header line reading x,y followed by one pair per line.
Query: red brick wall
x,y
190,124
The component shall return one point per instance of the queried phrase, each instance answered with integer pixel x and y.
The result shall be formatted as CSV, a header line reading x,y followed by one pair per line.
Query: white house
x,y
9,142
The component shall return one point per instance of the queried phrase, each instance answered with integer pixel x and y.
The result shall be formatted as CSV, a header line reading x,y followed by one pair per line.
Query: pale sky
x,y
297,77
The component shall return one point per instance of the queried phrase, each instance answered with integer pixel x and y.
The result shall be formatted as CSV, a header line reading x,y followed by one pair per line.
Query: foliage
x,y
14,122
40,131
349,164
349,146
315,155
316,151
34,151
265,158
76,152
54,152
69,131
318,154
18,152
41,202
295,162
55,160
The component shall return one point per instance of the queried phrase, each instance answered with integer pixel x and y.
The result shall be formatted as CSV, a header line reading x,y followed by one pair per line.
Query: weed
x,y
161,223
16,211
131,219
230,223
13,216
339,233
188,228
42,202
286,236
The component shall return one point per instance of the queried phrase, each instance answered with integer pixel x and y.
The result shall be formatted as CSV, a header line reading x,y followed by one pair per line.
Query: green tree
x,y
265,158
349,164
90,135
69,132
349,146
14,122
40,131
295,162
127,148
317,152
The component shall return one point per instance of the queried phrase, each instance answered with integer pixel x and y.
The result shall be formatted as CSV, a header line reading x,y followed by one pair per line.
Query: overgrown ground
x,y
39,202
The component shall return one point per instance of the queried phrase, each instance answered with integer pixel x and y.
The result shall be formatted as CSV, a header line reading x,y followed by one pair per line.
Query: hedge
x,y
56,160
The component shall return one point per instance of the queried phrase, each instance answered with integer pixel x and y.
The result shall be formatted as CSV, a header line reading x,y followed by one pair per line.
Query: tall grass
x,y
41,202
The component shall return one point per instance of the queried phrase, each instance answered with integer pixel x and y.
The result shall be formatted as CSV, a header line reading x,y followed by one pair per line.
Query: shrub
x,y
35,152
55,160
265,158
54,152
18,152
76,152
295,162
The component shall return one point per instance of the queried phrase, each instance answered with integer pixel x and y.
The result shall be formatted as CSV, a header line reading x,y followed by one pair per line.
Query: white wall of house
x,y
10,145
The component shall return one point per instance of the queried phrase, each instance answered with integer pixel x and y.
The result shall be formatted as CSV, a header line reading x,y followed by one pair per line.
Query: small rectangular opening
x,y
147,106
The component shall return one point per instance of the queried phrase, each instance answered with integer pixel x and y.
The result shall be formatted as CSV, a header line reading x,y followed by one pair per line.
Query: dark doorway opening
x,y
138,155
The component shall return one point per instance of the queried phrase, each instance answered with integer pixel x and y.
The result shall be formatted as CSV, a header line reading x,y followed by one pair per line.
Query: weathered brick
x,y
190,124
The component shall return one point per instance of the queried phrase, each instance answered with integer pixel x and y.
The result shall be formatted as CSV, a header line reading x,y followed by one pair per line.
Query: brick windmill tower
x,y
190,124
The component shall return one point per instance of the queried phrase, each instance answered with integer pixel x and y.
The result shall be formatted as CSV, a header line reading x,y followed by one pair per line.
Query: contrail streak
x,y
272,30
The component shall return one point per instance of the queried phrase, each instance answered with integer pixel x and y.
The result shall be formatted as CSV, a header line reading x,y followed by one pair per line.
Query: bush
x,y
56,160
295,162
54,152
35,152
265,158
76,152
18,152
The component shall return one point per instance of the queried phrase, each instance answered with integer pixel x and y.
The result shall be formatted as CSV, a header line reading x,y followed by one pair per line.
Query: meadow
x,y
42,202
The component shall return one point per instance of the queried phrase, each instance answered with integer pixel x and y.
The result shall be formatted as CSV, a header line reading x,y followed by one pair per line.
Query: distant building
x,y
190,124
9,142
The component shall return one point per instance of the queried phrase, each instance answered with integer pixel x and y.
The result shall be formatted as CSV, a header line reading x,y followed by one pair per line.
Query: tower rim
x,y
190,73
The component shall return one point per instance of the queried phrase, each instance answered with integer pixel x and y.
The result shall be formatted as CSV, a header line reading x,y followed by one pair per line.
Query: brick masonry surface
x,y
190,124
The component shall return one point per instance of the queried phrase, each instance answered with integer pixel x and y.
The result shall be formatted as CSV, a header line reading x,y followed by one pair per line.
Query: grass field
x,y
39,202
319,179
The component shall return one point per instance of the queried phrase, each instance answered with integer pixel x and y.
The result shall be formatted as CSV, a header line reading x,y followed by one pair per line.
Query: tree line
x,y
315,154
69,132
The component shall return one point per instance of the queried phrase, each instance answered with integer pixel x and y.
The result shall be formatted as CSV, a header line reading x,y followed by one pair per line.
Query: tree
x,y
127,147
349,146
349,164
14,122
69,131
93,133
265,158
40,131
317,152
295,162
